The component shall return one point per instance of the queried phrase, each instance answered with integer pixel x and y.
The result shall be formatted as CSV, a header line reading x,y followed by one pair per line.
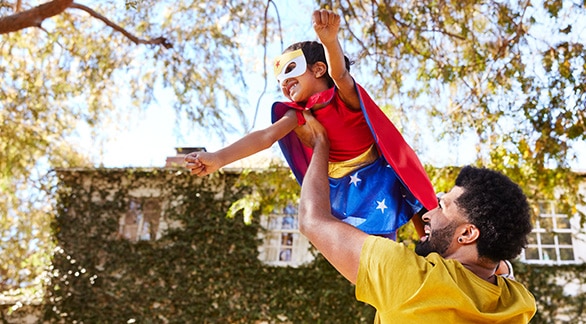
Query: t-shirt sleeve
x,y
385,266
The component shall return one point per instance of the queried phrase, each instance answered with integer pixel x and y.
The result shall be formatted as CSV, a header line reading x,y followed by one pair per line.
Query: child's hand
x,y
326,24
202,163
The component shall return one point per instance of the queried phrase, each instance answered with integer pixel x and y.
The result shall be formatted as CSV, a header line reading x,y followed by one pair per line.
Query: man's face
x,y
438,241
441,225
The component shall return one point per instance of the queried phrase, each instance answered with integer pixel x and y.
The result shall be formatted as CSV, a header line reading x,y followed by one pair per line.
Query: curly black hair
x,y
498,208
314,52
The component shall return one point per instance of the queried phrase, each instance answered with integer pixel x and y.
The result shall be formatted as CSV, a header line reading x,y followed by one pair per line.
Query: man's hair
x,y
499,208
314,52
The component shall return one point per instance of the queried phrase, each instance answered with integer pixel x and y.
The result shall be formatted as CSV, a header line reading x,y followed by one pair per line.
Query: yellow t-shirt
x,y
407,288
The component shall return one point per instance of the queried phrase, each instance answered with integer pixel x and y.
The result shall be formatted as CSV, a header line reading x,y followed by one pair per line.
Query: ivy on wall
x,y
206,270
552,287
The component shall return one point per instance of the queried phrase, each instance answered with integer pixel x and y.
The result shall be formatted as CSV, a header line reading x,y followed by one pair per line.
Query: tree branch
x,y
157,41
35,16
32,17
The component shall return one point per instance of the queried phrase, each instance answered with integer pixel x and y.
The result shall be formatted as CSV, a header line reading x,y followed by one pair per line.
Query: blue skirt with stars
x,y
373,199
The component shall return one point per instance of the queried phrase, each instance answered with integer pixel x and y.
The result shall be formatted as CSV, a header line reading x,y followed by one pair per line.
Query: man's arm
x,y
339,242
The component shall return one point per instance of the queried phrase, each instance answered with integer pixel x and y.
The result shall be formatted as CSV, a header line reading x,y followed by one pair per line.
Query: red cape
x,y
388,139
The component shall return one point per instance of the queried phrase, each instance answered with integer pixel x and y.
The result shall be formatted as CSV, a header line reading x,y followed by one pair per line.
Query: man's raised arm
x,y
339,242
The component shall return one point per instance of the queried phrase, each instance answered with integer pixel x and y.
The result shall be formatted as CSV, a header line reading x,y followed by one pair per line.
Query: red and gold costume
x,y
377,182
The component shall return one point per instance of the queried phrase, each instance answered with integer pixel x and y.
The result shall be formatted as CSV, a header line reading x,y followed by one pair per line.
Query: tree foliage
x,y
63,64
512,73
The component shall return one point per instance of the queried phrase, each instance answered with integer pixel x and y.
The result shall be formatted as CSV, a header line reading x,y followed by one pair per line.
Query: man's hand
x,y
202,163
312,132
326,24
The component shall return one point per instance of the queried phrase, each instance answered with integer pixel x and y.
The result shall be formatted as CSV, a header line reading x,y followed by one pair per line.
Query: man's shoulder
x,y
516,289
386,250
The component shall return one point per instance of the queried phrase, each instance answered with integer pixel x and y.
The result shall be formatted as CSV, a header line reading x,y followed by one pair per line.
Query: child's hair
x,y
314,52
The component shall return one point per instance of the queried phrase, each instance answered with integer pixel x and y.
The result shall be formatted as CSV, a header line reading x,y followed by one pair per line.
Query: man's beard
x,y
438,241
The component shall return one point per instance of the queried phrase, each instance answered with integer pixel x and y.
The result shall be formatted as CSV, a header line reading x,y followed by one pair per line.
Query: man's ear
x,y
468,233
319,69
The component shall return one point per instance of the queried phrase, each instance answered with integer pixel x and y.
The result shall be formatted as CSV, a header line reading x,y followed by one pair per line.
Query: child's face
x,y
289,65
300,88
298,81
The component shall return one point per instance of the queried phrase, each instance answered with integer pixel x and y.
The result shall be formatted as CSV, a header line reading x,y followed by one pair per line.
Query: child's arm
x,y
326,25
204,163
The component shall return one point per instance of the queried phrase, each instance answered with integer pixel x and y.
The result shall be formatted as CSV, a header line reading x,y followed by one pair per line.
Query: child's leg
x,y
418,222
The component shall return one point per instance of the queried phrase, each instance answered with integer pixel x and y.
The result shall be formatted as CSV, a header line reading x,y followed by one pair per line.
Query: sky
x,y
153,134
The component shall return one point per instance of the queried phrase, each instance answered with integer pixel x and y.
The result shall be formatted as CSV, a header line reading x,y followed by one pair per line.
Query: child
x,y
376,181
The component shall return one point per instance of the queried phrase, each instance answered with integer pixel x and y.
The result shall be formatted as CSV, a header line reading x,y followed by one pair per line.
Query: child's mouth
x,y
292,87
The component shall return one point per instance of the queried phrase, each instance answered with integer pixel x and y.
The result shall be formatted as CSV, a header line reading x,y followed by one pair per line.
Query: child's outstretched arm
x,y
326,25
204,163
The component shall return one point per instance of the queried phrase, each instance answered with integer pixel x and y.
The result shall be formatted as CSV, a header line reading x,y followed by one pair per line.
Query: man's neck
x,y
484,270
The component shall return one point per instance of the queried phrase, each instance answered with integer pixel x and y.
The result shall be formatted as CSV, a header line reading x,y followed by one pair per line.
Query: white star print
x,y
381,206
354,179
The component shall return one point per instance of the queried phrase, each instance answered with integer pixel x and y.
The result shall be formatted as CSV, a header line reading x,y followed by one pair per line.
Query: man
x,y
451,275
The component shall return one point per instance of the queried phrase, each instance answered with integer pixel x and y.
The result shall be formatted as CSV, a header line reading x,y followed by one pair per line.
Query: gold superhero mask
x,y
290,65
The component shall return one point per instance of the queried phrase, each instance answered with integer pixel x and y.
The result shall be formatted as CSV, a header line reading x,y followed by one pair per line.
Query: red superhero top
x,y
347,129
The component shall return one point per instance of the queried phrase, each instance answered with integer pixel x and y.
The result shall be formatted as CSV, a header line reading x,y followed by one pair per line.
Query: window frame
x,y
547,224
140,208
278,239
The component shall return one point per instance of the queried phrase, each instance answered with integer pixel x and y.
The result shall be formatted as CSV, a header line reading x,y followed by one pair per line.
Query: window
x,y
283,245
551,241
141,221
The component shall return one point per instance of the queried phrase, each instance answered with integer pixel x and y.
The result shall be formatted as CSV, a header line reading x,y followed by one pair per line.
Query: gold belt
x,y
340,169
